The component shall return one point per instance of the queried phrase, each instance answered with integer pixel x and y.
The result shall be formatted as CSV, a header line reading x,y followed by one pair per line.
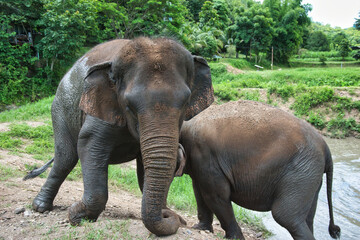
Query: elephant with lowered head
x,y
260,158
125,99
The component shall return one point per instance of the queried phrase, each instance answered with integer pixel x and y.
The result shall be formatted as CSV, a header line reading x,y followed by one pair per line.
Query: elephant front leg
x,y
94,164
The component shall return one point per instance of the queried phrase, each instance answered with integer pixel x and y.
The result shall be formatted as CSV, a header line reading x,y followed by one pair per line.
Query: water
x,y
346,195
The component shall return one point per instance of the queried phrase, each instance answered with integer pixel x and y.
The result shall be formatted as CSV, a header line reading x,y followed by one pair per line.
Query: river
x,y
346,195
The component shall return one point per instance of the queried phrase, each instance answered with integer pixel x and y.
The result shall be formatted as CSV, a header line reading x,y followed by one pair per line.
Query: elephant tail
x,y
334,230
37,171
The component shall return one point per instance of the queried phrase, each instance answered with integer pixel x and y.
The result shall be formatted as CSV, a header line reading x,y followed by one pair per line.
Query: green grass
x,y
124,177
40,110
309,88
7,172
311,98
8,142
181,194
311,77
40,140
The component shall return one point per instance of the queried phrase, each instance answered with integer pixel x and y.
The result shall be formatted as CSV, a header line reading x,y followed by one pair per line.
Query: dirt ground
x,y
120,220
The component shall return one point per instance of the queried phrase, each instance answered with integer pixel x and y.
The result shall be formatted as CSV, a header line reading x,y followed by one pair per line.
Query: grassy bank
x,y
328,98
37,141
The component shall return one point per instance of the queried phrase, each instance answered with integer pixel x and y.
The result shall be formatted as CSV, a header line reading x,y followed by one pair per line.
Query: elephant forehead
x,y
160,52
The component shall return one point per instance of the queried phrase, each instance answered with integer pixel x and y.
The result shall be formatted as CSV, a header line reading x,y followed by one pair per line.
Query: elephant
x,y
259,157
125,99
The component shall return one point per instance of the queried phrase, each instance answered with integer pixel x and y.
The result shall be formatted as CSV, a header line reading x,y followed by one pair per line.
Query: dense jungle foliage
x,y
41,39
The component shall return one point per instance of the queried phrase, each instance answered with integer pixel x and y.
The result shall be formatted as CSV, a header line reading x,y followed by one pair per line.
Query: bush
x,y
322,59
315,54
226,93
312,98
284,91
316,120
20,80
341,127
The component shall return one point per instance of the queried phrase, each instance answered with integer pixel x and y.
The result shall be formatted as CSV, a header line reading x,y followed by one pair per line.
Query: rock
x,y
64,221
259,235
189,232
27,213
207,231
19,210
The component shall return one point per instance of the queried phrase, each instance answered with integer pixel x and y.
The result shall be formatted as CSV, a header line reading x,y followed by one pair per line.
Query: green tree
x,y
18,75
214,15
15,61
318,41
223,12
203,41
152,17
338,38
357,23
291,19
209,16
322,59
110,18
194,7
253,30
66,26
344,48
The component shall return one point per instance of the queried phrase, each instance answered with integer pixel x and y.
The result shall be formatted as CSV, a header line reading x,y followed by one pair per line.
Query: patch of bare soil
x,y
120,220
5,126
233,70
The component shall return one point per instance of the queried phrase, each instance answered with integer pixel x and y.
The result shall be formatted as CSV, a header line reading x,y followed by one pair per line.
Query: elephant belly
x,y
253,200
124,153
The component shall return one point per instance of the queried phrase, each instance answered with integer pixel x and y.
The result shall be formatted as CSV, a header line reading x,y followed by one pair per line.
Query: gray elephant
x,y
261,158
125,99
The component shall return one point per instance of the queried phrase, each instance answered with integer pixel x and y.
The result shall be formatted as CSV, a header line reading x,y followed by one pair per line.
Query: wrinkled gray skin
x,y
122,100
261,158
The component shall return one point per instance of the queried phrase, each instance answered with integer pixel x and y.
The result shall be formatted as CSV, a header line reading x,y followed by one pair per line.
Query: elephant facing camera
x,y
125,100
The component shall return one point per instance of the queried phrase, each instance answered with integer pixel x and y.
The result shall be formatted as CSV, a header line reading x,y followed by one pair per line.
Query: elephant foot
x,y
203,226
41,205
234,236
234,232
78,212
167,213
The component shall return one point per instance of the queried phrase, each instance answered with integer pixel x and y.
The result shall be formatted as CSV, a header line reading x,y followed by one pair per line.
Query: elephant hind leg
x,y
296,225
66,158
291,211
311,214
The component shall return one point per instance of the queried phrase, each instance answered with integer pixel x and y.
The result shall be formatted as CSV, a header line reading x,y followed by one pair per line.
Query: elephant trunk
x,y
159,145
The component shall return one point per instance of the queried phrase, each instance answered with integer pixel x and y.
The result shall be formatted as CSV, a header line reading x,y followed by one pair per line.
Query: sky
x,y
337,13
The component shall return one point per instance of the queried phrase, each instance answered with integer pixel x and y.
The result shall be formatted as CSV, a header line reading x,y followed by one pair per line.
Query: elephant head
x,y
150,87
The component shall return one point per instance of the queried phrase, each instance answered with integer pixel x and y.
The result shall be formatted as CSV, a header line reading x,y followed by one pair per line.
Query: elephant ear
x,y
202,92
99,98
